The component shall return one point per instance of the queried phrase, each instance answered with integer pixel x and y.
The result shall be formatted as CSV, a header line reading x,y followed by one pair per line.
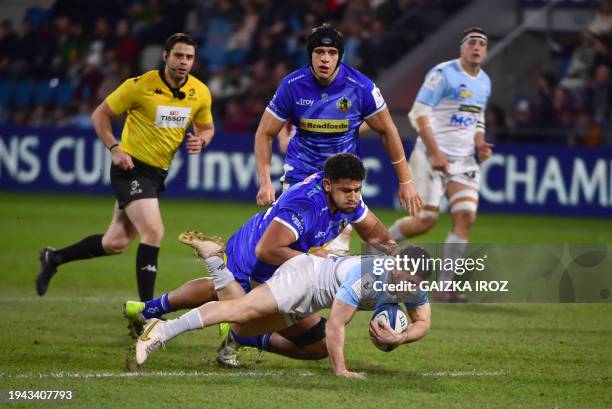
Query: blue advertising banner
x,y
517,178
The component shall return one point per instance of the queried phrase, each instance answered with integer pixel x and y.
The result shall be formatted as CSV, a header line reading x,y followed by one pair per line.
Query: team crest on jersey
x,y
191,95
464,93
343,104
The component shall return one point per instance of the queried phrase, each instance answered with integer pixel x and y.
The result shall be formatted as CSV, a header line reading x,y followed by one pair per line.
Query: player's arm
x,y
382,123
102,123
269,127
372,231
283,138
340,315
382,333
204,134
273,247
419,118
483,148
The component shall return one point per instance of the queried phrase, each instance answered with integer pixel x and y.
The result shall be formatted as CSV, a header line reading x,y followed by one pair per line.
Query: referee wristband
x,y
110,148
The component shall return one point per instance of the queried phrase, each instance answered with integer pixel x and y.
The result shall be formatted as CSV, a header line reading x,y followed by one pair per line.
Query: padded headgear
x,y
325,36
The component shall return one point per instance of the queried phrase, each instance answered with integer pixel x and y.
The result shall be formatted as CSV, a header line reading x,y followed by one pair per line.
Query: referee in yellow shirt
x,y
160,105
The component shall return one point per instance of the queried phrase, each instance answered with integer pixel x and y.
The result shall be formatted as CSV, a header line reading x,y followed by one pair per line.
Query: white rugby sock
x,y
186,322
396,234
454,247
220,274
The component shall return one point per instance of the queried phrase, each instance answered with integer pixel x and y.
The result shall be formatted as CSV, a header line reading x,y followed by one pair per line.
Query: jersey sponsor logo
x,y
343,104
324,125
191,95
172,117
470,108
295,79
378,98
320,234
297,223
433,80
463,121
157,91
305,102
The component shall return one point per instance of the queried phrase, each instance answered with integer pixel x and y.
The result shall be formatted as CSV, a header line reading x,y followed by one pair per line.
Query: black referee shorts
x,y
142,182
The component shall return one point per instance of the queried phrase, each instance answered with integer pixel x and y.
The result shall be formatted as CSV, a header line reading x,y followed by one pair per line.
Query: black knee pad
x,y
315,334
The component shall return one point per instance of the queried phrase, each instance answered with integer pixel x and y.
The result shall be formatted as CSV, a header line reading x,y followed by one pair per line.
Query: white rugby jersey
x,y
457,100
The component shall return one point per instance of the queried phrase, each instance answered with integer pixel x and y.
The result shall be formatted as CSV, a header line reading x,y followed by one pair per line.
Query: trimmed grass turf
x,y
540,356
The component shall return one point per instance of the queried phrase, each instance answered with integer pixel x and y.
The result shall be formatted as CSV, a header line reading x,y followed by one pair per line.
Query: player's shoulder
x,y
450,67
484,77
297,77
355,77
309,191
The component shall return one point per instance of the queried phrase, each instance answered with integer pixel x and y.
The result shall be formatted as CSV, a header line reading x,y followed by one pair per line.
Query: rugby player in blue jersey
x,y
304,219
306,284
327,101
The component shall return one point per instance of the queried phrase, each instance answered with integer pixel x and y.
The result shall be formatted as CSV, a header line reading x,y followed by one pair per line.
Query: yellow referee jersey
x,y
156,120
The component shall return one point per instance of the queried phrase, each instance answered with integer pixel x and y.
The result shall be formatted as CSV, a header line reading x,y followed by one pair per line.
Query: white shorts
x,y
431,184
292,286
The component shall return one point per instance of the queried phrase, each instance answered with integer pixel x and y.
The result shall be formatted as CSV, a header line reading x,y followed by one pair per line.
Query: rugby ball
x,y
393,315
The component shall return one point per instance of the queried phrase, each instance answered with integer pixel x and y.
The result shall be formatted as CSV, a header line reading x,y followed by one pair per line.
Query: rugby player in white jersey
x,y
448,114
304,285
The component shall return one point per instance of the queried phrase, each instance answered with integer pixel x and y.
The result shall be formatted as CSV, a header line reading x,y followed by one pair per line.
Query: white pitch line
x,y
63,299
155,374
226,374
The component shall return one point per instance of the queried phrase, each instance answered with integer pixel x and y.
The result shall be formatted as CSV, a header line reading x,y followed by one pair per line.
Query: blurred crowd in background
x,y
62,61
571,100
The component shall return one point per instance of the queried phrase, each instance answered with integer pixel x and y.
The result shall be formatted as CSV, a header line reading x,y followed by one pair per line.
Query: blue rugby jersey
x,y
304,210
358,290
457,100
327,118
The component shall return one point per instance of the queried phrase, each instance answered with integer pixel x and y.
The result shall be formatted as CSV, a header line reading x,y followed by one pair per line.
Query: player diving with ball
x,y
301,287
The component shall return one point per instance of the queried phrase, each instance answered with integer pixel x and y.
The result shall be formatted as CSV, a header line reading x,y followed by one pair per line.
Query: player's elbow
x,y
262,251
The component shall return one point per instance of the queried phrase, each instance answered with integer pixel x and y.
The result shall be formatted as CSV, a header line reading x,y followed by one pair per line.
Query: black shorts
x,y
143,181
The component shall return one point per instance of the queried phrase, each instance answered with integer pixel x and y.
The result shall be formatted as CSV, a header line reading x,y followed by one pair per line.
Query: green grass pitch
x,y
476,356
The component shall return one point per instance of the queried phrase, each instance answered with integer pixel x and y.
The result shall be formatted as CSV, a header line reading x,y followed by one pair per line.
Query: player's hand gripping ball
x,y
395,317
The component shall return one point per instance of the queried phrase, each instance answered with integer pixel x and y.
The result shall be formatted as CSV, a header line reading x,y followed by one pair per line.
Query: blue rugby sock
x,y
157,307
261,342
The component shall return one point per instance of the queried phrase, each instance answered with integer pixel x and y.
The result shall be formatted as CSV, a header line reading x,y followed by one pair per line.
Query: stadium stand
x,y
64,57
245,47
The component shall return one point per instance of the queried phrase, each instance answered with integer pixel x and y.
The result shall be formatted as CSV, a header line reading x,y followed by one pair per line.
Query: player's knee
x,y
152,235
427,223
464,219
312,341
316,351
115,245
